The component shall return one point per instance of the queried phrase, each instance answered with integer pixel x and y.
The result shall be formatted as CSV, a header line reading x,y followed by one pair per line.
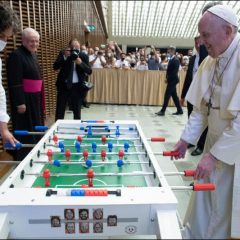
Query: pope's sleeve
x,y
227,147
196,124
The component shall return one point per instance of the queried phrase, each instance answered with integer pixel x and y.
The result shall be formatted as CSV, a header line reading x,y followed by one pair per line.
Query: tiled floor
x,y
169,126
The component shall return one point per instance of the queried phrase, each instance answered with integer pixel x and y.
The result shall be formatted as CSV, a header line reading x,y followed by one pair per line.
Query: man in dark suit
x,y
74,66
194,62
172,79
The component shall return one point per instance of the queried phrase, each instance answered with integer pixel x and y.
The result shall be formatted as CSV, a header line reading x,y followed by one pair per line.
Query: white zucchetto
x,y
226,13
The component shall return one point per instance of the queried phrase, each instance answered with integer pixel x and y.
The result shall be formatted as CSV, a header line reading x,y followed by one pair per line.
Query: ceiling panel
x,y
159,19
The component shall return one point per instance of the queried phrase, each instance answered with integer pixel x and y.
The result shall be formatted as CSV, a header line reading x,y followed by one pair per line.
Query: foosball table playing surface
x,y
89,179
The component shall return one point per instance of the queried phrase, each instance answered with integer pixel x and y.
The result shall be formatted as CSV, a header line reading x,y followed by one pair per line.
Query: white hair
x,y
28,31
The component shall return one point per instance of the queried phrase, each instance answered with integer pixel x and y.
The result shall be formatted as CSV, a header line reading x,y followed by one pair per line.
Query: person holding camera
x,y
74,66
97,60
116,50
122,63
142,64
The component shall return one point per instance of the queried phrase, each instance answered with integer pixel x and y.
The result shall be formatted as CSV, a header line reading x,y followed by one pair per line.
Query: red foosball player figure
x,y
49,154
104,139
85,155
90,175
46,175
103,155
79,139
67,155
55,139
120,154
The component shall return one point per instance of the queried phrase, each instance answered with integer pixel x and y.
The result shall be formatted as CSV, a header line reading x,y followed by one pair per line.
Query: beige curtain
x,y
117,86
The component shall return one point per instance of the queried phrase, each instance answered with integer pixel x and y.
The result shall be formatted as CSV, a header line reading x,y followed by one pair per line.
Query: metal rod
x,y
89,145
10,162
182,187
96,154
135,173
97,128
98,133
173,173
93,162
98,138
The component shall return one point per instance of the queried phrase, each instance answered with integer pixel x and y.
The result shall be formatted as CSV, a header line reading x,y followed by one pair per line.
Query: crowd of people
x,y
148,58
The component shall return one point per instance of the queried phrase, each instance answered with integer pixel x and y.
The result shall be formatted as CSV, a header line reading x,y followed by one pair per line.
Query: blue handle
x,y
8,145
41,128
20,132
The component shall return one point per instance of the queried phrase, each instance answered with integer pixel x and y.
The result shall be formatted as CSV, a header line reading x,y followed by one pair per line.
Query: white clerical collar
x,y
231,47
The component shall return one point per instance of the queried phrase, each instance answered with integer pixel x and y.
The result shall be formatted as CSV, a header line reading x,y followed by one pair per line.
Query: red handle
x,y
170,153
189,173
204,187
157,139
96,192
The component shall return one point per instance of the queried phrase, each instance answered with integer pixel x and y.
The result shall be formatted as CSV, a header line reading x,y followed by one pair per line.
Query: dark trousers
x,y
171,91
74,95
27,121
202,138
84,97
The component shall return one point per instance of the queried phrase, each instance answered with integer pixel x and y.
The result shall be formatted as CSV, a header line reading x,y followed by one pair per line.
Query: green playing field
x,y
98,181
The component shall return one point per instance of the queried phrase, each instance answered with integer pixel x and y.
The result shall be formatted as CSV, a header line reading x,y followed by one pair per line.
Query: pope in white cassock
x,y
215,95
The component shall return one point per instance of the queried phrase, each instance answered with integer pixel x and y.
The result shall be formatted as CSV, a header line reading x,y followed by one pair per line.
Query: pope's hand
x,y
205,167
181,147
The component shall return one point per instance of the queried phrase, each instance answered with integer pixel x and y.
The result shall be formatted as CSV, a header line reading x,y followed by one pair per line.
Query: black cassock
x,y
24,80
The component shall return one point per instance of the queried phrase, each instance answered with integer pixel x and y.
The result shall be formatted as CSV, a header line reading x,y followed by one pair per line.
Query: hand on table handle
x,y
9,146
181,148
205,167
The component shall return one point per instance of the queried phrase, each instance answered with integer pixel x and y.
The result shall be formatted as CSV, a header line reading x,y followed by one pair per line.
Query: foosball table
x,y
89,179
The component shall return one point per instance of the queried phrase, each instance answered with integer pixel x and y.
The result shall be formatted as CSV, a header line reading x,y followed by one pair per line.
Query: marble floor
x,y
169,126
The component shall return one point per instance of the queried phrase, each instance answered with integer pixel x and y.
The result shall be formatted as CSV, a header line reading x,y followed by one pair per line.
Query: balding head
x,y
216,34
29,31
30,39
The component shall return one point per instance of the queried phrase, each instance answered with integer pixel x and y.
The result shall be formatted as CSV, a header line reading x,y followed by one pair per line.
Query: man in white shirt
x,y
142,64
122,63
97,60
9,24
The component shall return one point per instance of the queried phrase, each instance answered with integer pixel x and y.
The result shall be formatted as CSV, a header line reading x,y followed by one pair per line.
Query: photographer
x,y
74,66
97,60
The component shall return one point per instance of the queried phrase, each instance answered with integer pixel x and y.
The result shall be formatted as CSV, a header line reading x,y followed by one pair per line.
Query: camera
x,y
74,54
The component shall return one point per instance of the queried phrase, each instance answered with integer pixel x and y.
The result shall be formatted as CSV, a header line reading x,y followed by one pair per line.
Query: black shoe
x,y
160,113
157,112
178,113
86,105
190,146
197,151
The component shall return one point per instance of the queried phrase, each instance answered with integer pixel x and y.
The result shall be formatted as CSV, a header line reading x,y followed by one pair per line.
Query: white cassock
x,y
216,214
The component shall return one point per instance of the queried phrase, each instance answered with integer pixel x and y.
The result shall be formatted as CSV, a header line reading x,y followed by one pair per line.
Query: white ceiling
x,y
156,20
